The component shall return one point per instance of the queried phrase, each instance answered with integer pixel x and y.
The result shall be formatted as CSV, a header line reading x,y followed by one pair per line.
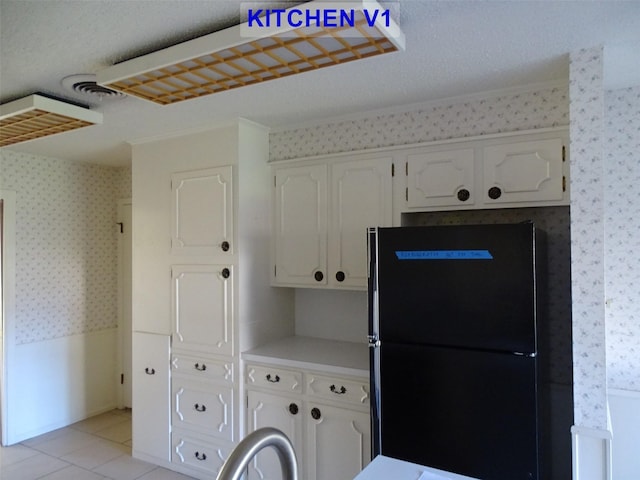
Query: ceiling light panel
x,y
226,60
36,116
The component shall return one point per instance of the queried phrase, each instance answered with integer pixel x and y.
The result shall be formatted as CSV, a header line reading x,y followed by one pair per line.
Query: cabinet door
x,y
528,171
436,179
202,308
300,225
202,212
360,198
338,442
203,407
281,412
151,395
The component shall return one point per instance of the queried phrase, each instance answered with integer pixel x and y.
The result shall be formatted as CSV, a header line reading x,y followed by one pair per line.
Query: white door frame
x,y
124,327
8,297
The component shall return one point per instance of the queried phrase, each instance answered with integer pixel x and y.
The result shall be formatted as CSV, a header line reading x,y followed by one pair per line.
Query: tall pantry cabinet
x,y
201,294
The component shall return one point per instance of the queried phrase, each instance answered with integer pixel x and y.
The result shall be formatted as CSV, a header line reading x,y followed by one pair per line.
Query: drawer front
x,y
353,391
202,367
203,407
194,453
274,378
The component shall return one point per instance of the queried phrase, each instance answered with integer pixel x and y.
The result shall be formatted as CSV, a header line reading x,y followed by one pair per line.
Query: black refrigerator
x,y
453,316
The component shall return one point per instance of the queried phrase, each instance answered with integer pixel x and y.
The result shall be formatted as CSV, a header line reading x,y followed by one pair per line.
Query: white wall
x,y
64,328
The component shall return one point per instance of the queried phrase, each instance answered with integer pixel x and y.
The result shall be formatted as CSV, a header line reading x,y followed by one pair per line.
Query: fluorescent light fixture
x,y
36,116
248,54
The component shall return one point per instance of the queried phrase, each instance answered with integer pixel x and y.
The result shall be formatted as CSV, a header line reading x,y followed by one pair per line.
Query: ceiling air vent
x,y
86,86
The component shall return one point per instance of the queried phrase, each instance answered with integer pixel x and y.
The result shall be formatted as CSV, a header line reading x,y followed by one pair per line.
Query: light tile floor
x,y
98,448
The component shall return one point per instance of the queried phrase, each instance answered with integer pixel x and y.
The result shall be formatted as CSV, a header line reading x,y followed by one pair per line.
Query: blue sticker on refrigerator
x,y
444,255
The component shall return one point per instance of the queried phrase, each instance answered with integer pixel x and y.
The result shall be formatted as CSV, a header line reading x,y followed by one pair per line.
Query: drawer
x,y
198,366
203,407
274,378
193,452
352,391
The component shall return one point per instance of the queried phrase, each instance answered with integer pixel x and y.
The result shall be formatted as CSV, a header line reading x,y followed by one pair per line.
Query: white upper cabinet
x,y
360,198
523,171
202,212
441,178
322,211
300,233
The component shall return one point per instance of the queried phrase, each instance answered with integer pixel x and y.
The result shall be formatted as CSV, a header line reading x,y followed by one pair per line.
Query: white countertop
x,y
386,468
341,358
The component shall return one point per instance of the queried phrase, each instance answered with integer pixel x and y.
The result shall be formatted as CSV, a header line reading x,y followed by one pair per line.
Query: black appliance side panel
x,y
464,411
470,286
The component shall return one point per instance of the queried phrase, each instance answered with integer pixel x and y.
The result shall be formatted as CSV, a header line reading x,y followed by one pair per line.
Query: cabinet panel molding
x,y
202,212
203,407
202,308
524,171
438,178
301,224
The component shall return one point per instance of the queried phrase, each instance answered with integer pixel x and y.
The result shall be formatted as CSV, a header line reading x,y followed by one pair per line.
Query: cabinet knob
x,y
150,371
315,413
200,408
200,368
200,456
340,276
226,273
463,194
293,409
271,379
318,276
494,193
225,246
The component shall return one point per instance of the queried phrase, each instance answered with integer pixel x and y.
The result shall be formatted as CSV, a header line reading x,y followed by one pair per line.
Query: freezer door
x,y
468,412
470,286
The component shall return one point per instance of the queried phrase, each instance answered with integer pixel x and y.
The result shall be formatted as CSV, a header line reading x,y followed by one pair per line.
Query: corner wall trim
x,y
591,453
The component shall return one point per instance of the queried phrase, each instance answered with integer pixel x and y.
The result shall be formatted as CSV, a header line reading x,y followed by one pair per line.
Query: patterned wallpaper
x,y
66,244
497,113
622,241
587,237
555,333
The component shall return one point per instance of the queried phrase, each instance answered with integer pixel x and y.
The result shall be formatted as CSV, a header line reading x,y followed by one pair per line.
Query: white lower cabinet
x,y
151,398
281,412
202,415
198,452
326,420
338,442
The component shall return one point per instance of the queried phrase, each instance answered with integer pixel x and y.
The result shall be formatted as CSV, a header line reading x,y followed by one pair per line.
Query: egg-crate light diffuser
x,y
36,116
226,59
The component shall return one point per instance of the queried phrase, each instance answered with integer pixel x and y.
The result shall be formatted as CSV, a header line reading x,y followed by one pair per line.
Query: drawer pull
x,y
150,371
316,414
200,456
293,409
200,408
272,379
338,391
225,246
199,367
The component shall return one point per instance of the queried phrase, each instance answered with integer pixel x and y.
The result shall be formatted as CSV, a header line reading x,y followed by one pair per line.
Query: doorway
x,y
124,300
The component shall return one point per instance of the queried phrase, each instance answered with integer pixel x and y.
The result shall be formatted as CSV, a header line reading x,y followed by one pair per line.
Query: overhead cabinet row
x,y
323,206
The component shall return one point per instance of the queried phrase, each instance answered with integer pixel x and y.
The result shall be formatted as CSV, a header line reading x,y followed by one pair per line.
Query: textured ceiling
x,y
453,48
